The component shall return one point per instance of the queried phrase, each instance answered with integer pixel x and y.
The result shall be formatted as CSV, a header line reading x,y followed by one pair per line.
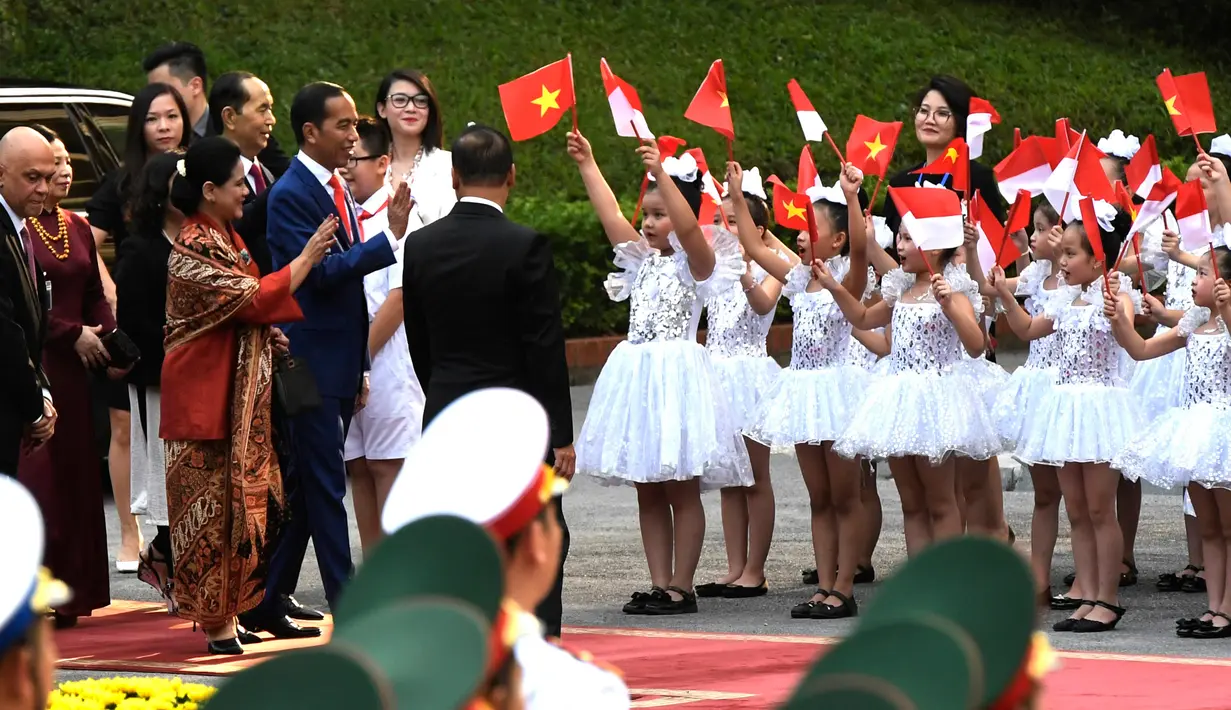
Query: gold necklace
x,y
61,235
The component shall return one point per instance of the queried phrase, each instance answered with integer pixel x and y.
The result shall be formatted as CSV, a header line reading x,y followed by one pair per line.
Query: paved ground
x,y
606,565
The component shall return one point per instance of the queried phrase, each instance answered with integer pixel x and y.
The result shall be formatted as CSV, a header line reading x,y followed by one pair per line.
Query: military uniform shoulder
x,y
553,677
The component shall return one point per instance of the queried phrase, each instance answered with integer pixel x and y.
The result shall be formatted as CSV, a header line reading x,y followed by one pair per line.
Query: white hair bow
x,y
682,168
833,193
1120,145
1221,145
1105,213
753,185
884,235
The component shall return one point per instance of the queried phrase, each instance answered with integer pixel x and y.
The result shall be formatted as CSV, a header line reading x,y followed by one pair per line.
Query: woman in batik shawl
x,y
224,488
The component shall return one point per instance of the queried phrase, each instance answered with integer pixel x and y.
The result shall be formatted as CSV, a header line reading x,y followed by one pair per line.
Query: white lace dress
x,y
735,338
1189,442
1016,408
812,400
919,403
1157,383
658,412
1090,414
856,353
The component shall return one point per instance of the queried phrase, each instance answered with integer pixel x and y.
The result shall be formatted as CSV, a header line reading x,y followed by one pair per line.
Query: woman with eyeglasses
x,y
406,104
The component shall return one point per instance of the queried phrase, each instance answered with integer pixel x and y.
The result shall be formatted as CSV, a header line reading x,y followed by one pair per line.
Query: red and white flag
x,y
809,120
807,176
1193,216
980,120
992,238
1079,174
1157,201
932,217
1145,169
1088,215
1026,168
625,105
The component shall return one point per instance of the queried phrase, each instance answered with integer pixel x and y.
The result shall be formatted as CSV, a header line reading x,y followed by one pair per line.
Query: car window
x,y
113,120
58,118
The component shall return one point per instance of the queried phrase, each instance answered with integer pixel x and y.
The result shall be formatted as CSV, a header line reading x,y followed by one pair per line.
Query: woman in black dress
x,y
156,124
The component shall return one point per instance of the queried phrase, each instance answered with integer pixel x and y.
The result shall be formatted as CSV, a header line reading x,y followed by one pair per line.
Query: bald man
x,y
27,417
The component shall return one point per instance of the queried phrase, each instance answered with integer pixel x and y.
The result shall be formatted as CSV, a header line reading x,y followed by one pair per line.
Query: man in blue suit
x,y
332,338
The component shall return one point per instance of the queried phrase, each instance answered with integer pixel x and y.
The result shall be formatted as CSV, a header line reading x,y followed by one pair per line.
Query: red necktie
x,y
339,201
258,178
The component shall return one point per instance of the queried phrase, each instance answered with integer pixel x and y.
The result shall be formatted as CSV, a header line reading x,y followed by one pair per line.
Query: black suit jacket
x,y
252,226
23,325
272,157
482,309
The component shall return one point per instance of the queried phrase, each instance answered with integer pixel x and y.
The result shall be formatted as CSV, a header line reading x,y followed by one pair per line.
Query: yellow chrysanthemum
x,y
129,694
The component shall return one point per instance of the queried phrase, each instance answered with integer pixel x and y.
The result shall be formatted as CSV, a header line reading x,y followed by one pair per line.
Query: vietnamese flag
x,y
1188,103
625,105
709,106
1124,199
807,176
1145,169
955,161
790,208
870,146
534,103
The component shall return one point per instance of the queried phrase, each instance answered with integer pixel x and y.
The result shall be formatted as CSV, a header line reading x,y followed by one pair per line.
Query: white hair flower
x,y
1221,145
180,168
832,193
1120,145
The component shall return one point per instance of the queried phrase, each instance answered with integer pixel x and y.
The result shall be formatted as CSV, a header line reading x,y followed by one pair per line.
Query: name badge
x,y
47,293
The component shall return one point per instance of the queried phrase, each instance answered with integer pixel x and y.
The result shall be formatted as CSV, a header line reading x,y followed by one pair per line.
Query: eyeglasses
x,y
354,161
400,101
942,115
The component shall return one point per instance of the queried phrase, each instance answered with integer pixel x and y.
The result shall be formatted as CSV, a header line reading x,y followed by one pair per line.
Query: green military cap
x,y
416,655
980,585
905,664
439,556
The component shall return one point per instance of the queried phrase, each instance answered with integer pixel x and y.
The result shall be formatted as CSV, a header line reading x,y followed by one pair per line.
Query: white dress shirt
x,y
482,201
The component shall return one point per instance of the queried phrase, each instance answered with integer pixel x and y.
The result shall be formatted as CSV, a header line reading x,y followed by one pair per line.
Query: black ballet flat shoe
x,y
847,609
712,589
804,610
1129,578
1209,631
864,575
637,604
1061,602
1068,624
224,647
1193,585
738,591
810,576
1194,621
666,606
1090,626
1172,582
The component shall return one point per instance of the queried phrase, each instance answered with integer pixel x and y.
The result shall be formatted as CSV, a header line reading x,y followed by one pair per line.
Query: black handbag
x,y
121,350
295,390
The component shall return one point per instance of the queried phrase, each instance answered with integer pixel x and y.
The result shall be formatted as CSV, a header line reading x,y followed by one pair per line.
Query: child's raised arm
x,y
856,281
861,317
683,220
1171,247
1222,299
1023,325
1120,312
606,206
768,257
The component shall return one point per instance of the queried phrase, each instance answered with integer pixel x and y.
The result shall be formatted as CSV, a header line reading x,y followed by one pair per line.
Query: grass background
x,y
1035,60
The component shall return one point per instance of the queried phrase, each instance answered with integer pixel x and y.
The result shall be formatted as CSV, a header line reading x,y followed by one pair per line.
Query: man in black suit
x,y
27,417
482,308
182,65
241,109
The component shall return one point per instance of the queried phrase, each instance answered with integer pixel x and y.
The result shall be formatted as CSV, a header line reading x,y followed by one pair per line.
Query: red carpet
x,y
694,671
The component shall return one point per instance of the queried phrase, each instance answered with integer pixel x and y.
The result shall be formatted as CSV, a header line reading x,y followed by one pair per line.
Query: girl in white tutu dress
x,y
658,419
1187,445
738,321
1087,417
812,401
919,412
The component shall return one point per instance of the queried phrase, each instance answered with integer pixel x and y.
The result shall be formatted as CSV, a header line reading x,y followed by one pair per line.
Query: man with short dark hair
x,y
241,109
475,272
332,338
182,65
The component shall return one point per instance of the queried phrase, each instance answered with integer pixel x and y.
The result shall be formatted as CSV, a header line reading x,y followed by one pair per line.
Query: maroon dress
x,y
65,476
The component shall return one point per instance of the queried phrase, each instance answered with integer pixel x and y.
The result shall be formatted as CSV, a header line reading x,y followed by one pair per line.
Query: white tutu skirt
x,y
745,380
988,378
1182,445
921,414
658,414
1081,423
1157,383
809,406
1016,409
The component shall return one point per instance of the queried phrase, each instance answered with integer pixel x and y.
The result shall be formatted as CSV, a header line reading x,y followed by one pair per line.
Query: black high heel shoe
x,y
1090,626
1069,623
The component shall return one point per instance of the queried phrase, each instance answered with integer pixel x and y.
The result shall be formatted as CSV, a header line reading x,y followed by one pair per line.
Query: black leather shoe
x,y
64,622
280,626
295,610
246,637
225,647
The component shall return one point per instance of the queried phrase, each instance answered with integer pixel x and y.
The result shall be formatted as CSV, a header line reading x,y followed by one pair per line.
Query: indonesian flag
x,y
1065,133
1020,215
1157,201
1017,137
807,171
1078,175
709,106
1089,220
1124,199
625,105
711,191
790,207
954,161
809,119
1188,103
980,120
1145,169
534,103
1026,168
1192,216
932,217
870,146
993,237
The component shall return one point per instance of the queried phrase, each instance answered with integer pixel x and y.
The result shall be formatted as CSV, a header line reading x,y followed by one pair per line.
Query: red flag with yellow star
x,y
871,144
709,106
790,208
954,161
534,103
1188,103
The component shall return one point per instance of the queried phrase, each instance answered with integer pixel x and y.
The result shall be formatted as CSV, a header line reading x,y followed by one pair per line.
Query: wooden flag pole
x,y
841,160
645,181
731,149
875,190
1197,140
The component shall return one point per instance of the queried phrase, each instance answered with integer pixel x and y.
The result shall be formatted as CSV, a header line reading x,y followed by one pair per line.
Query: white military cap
x,y
27,590
480,459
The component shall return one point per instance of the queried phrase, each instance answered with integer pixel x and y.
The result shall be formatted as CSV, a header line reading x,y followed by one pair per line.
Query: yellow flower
x,y
127,693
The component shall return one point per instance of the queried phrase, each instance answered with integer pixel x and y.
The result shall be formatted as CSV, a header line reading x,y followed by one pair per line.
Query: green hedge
x,y
850,56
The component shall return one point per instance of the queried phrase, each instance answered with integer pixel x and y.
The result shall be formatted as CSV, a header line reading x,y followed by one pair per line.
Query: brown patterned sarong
x,y
224,497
